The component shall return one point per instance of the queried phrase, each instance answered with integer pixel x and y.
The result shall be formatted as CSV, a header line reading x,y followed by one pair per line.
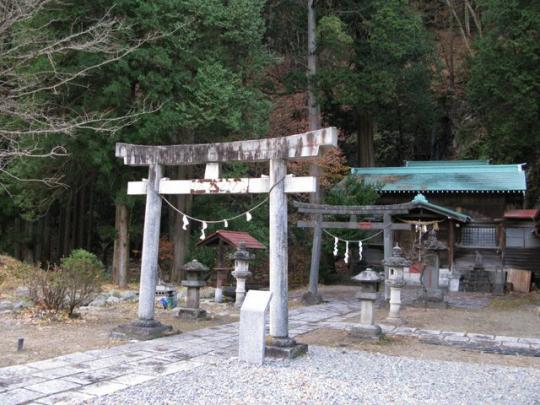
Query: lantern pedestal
x,y
241,277
369,286
394,316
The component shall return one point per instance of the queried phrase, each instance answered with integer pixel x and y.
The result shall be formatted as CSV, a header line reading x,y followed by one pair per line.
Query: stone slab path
x,y
87,375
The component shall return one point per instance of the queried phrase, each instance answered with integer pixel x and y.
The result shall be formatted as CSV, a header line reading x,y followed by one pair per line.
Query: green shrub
x,y
76,281
81,277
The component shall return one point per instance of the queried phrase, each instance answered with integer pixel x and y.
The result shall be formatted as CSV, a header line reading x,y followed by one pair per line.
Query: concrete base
x,y
395,321
433,298
190,313
142,330
369,332
311,299
284,348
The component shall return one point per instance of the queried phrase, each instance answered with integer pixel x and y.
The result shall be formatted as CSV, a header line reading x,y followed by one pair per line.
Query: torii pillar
x,y
276,151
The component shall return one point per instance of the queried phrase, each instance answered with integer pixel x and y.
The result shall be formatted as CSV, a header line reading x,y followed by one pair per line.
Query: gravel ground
x,y
338,376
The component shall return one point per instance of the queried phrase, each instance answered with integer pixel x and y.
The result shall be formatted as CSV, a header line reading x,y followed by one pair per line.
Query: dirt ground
x,y
401,346
514,314
46,336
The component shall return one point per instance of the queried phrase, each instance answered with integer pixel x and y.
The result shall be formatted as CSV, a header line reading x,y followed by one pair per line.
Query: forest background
x,y
417,80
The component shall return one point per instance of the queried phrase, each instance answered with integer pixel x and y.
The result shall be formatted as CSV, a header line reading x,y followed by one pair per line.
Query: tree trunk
x,y
179,237
81,217
90,219
28,254
365,151
67,226
314,113
121,246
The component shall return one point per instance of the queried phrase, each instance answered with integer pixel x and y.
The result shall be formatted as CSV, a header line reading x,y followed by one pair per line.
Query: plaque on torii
x,y
276,151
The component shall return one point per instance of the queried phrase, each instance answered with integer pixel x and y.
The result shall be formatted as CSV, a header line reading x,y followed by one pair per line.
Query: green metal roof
x,y
463,176
420,201
416,163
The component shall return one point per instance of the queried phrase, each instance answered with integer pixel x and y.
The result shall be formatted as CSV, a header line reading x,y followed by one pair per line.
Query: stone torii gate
x,y
387,226
277,151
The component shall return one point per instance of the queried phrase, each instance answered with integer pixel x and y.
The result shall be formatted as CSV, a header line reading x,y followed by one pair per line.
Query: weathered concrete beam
x,y
225,186
393,209
294,147
364,226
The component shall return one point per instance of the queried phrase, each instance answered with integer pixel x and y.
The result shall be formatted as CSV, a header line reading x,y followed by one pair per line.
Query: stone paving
x,y
83,376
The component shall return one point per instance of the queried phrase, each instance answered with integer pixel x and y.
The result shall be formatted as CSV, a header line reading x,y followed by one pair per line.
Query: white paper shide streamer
x,y
185,223
346,258
360,250
336,241
203,229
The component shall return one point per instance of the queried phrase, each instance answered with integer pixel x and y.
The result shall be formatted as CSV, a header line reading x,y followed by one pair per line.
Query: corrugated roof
x,y
463,176
233,238
522,214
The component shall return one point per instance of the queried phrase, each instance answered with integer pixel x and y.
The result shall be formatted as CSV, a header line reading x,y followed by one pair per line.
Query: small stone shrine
x,y
369,282
196,276
224,238
476,280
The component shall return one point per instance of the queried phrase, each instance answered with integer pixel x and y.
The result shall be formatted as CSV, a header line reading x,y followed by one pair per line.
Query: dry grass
x,y
515,301
8,277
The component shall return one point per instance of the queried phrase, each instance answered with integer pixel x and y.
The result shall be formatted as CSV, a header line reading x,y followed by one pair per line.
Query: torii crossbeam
x,y
277,151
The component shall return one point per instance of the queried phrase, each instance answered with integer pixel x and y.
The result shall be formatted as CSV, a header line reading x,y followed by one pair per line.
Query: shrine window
x,y
482,236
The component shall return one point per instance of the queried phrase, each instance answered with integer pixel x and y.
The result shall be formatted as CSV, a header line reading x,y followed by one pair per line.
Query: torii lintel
x,y
293,147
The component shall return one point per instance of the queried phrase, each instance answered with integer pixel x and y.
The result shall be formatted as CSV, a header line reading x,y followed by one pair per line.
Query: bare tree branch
x,y
27,113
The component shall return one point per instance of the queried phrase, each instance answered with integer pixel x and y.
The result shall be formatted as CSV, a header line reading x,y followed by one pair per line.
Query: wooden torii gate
x,y
387,226
276,151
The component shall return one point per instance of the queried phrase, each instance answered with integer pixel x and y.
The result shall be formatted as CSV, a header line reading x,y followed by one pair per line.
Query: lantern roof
x,y
367,276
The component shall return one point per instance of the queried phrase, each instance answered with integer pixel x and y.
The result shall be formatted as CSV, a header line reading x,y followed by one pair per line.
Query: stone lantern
x,y
395,266
196,276
241,272
370,282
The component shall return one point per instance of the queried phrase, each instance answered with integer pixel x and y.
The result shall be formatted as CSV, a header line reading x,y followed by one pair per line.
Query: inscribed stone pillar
x,y
150,248
279,313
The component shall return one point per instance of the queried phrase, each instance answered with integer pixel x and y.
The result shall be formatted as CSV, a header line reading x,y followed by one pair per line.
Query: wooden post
x,y
279,323
150,248
451,242
388,235
313,290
